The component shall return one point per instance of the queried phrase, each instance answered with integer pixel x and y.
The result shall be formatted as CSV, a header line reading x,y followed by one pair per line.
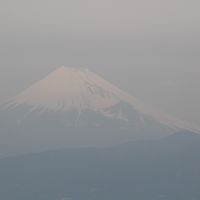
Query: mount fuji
x,y
75,107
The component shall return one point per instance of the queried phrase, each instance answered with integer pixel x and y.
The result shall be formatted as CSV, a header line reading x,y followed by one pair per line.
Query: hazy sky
x,y
150,48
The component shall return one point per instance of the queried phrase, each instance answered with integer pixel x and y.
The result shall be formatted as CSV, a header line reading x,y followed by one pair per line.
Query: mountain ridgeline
x,y
164,169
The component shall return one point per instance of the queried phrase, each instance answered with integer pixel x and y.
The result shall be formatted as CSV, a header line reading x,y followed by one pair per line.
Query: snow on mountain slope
x,y
72,88
76,107
79,89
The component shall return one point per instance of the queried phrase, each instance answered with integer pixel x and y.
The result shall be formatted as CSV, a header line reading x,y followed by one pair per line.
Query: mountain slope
x,y
76,107
79,89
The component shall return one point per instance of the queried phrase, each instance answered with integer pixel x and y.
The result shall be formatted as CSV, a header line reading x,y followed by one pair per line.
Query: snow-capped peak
x,y
70,88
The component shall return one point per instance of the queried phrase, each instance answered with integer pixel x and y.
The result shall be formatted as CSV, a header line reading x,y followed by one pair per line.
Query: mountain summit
x,y
76,107
72,89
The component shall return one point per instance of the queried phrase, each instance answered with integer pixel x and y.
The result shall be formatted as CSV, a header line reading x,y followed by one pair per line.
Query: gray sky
x,y
150,48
